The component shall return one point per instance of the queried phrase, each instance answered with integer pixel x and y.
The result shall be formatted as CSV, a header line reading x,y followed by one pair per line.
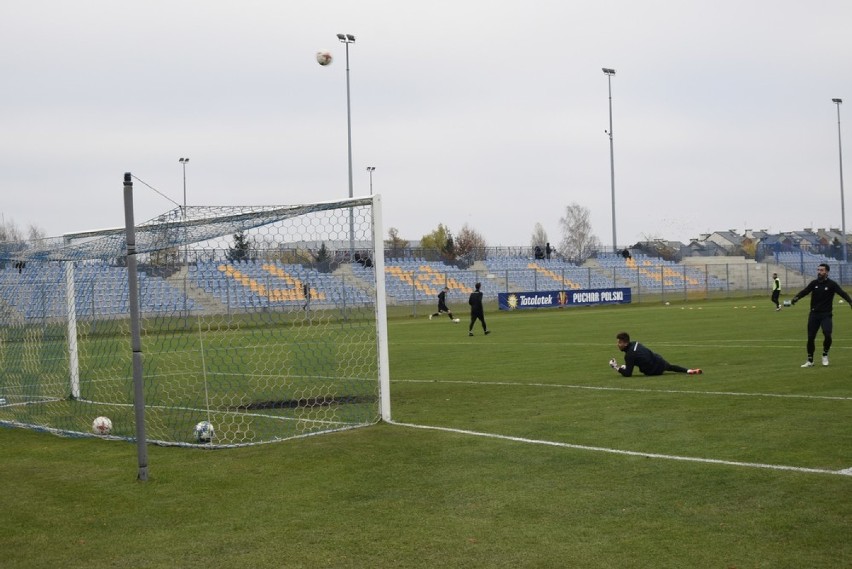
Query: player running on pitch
x,y
442,306
649,363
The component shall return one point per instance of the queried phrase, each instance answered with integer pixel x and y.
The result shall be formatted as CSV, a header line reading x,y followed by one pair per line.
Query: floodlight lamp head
x,y
341,37
608,71
838,101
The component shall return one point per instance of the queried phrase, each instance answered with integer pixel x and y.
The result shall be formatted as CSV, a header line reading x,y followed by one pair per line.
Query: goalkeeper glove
x,y
613,364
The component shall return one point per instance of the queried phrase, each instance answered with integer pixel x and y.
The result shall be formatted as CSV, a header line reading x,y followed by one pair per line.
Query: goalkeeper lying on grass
x,y
649,363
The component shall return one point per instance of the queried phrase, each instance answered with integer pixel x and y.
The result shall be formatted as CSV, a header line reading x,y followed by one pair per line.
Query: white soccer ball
x,y
457,320
324,58
102,426
204,432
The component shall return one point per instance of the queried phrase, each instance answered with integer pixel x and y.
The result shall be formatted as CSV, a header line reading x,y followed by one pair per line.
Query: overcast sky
x,y
476,112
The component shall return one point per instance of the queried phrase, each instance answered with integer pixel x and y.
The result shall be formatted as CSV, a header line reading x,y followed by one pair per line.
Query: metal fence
x,y
662,283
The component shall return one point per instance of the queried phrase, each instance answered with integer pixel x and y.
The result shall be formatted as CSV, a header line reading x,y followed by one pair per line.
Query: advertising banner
x,y
559,298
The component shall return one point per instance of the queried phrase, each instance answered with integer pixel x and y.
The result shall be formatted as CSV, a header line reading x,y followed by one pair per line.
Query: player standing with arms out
x,y
822,290
442,306
476,310
776,291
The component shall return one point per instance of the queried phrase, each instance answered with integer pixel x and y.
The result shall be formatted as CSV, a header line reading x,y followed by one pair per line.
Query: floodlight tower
x,y
838,102
370,170
184,162
609,73
346,39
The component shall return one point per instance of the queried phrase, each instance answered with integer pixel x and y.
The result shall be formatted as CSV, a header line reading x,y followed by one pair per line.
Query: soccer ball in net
x,y
102,426
204,432
324,57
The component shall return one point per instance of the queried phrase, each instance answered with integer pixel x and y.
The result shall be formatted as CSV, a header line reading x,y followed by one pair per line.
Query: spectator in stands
x,y
626,253
365,261
822,290
442,306
649,363
547,251
776,291
538,252
476,310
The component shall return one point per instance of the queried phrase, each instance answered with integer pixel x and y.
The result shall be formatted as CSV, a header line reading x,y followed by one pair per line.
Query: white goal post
x,y
268,322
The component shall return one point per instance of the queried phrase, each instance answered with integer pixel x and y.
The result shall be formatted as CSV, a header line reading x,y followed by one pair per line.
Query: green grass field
x,y
737,468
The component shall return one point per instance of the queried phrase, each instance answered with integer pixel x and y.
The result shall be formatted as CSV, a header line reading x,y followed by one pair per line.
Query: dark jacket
x,y
475,302
637,355
822,294
442,302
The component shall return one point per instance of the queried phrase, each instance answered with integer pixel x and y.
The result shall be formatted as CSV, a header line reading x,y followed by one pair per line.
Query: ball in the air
x,y
324,57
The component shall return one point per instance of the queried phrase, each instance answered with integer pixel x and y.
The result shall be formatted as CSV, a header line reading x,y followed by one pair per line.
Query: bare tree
x,y
470,245
10,232
36,233
539,236
578,242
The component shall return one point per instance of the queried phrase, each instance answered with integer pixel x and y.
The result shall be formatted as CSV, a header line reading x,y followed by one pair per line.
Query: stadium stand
x,y
802,261
253,284
654,274
555,274
100,291
416,280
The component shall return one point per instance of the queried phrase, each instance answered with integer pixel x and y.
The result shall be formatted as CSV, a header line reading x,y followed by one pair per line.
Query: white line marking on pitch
x,y
630,389
845,472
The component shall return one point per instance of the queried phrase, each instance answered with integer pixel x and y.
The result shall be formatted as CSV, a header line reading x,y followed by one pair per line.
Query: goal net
x,y
266,322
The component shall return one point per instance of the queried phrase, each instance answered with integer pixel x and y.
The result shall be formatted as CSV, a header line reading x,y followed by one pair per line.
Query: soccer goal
x,y
255,324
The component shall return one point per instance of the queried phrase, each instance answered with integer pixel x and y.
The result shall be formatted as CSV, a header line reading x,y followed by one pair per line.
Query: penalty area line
x,y
631,389
800,469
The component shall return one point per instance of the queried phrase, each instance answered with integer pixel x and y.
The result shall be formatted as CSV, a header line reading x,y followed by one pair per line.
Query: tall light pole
x,y
346,39
184,162
842,204
609,73
370,170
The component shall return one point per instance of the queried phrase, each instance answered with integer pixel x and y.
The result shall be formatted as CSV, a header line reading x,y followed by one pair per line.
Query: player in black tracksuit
x,y
442,305
822,291
476,310
649,363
